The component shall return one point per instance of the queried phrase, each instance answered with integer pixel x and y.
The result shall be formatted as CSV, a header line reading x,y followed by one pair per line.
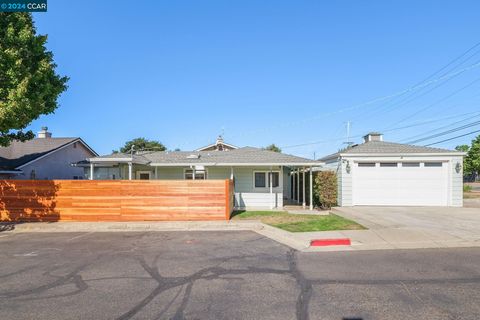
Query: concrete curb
x,y
360,239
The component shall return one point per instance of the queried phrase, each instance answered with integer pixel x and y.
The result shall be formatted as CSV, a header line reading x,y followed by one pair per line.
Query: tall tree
x,y
140,144
273,148
462,147
29,85
472,160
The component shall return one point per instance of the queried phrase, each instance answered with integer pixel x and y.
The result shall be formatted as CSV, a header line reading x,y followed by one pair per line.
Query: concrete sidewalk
x,y
376,238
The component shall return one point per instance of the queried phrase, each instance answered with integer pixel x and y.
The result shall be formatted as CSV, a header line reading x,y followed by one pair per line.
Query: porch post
x,y
91,170
303,187
129,171
293,184
231,173
156,173
298,185
272,201
311,189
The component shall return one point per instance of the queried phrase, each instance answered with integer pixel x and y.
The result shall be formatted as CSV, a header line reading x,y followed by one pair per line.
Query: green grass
x,y
467,188
299,222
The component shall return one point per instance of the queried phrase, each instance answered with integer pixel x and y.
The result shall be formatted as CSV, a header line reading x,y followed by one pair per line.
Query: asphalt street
x,y
226,275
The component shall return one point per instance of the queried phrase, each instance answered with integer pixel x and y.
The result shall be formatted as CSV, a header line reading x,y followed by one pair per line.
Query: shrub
x,y
467,188
325,190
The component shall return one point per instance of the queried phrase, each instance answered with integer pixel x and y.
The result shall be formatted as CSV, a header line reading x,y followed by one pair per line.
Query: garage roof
x,y
383,148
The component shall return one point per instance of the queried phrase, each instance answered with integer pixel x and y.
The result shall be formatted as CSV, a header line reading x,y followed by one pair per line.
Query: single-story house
x,y
262,178
44,157
392,174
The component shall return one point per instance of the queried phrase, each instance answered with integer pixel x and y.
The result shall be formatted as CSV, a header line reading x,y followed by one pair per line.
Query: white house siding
x,y
246,195
168,173
57,165
457,182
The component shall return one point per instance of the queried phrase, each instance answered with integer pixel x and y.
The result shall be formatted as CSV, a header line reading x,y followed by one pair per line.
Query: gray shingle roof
x,y
19,153
382,147
246,155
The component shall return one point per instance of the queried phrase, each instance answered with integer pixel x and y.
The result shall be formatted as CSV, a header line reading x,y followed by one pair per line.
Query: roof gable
x,y
19,153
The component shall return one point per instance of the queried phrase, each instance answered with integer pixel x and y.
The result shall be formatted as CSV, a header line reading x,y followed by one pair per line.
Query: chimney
x,y
43,134
373,136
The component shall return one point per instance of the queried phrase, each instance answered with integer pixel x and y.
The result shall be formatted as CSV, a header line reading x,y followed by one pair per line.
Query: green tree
x,y
472,160
463,148
29,85
273,148
142,144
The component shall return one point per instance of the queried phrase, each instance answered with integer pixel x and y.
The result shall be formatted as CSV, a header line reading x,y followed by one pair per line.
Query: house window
x,y
143,175
388,164
260,179
199,174
366,164
410,164
275,178
432,164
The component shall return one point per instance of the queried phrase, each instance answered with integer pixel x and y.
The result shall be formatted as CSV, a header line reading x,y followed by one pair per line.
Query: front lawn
x,y
299,222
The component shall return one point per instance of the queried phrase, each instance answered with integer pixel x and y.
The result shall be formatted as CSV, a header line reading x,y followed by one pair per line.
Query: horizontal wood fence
x,y
115,200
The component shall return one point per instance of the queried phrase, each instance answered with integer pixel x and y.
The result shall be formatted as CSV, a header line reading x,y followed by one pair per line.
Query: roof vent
x,y
373,136
193,156
42,134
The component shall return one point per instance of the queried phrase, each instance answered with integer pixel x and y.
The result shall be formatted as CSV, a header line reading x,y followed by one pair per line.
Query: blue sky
x,y
283,72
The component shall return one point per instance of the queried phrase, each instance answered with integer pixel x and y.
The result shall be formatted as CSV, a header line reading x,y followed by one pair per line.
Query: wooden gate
x,y
115,200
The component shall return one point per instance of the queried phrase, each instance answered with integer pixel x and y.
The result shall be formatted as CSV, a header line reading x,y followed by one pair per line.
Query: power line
x,y
446,132
438,101
413,96
470,117
416,124
373,101
463,135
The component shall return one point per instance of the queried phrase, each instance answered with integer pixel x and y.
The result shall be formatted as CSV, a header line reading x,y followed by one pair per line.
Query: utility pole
x,y
348,142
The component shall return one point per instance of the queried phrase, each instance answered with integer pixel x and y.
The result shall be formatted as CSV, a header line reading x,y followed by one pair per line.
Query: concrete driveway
x,y
442,223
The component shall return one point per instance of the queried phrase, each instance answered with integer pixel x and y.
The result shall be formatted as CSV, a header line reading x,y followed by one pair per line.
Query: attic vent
x,y
193,156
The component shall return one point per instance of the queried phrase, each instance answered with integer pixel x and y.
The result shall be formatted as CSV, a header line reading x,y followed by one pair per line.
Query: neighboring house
x,y
219,145
385,173
44,158
262,178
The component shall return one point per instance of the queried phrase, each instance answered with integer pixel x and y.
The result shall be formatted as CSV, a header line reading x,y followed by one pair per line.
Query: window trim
x,y
190,169
138,173
270,173
267,178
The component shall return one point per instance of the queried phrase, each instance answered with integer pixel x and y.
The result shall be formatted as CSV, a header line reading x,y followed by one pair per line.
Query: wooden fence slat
x,y
115,200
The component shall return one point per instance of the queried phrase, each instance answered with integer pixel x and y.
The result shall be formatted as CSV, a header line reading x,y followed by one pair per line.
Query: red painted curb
x,y
330,242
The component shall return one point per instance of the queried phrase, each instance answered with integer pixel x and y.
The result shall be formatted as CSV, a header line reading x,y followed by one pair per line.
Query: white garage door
x,y
400,184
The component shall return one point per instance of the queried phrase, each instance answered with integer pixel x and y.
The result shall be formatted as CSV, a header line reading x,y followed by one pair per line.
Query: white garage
x,y
378,173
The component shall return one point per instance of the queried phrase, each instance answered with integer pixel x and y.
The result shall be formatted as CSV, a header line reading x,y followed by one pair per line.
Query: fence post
x,y
227,199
